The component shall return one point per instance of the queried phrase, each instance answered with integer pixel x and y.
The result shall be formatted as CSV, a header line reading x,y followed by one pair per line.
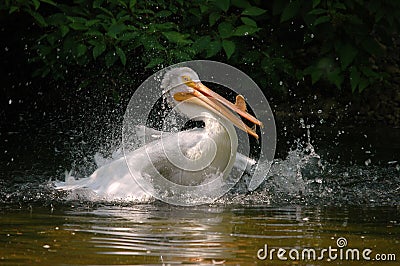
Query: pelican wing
x,y
117,181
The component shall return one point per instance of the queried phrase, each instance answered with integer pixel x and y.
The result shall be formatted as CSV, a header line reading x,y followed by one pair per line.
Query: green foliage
x,y
340,42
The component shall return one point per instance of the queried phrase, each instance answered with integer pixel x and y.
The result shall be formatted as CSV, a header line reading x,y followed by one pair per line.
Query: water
x,y
159,234
335,181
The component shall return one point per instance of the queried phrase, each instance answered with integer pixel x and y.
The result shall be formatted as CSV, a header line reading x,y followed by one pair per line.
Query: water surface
x,y
157,234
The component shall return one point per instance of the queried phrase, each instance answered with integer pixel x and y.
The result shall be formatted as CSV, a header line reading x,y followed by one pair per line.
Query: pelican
x,y
202,153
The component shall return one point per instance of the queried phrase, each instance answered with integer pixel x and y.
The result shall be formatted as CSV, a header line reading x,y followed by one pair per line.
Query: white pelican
x,y
217,140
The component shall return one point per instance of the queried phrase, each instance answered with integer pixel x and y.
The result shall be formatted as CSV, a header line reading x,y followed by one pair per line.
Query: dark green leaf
x,y
84,84
57,19
321,20
94,33
110,58
363,84
39,18
222,4
225,30
97,3
52,39
92,22
203,8
44,50
155,62
121,55
317,11
150,42
176,37
179,55
164,14
336,77
122,3
213,48
36,4
354,79
13,9
129,36
347,53
80,20
248,21
368,72
80,50
314,72
229,47
69,44
315,3
240,3
253,11
105,10
50,2
290,11
316,75
213,18
132,4
163,26
201,44
339,6
116,29
78,26
98,49
245,30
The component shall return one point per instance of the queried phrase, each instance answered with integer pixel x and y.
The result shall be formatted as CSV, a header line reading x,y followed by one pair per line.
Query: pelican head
x,y
184,90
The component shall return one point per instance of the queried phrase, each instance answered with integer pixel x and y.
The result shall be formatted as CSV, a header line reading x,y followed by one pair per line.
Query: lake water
x,y
159,234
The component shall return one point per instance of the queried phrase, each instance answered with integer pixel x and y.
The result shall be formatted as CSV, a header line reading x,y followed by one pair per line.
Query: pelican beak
x,y
211,100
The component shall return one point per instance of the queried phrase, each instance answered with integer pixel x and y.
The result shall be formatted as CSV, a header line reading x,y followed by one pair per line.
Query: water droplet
x,y
303,125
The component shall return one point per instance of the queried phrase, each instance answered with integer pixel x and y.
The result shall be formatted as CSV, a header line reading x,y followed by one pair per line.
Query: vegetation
x,y
278,42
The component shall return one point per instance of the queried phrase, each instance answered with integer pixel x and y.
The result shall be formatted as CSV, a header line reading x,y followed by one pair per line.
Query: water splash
x,y
305,178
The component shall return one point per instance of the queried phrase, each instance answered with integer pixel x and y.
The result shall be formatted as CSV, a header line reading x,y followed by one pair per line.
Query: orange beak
x,y
204,96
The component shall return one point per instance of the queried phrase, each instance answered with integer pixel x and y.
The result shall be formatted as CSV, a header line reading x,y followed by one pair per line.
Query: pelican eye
x,y
186,79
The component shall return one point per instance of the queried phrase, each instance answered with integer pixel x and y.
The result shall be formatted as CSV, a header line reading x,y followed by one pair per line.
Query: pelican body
x,y
187,158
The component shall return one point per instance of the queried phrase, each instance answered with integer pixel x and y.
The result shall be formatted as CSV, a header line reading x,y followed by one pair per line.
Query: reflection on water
x,y
157,234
